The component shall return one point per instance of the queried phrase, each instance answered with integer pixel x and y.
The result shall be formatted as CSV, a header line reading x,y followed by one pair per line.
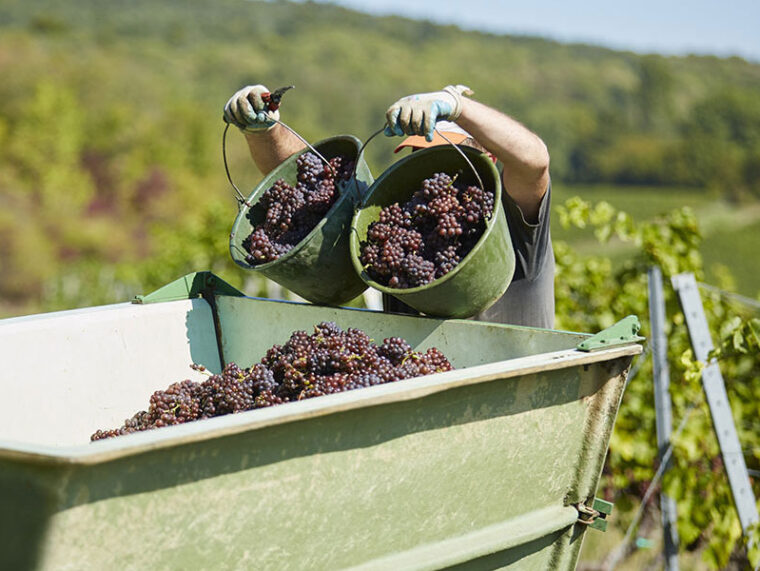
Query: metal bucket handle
x,y
444,137
240,197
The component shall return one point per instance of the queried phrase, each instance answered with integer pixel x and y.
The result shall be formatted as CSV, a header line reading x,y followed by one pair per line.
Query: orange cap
x,y
420,142
450,130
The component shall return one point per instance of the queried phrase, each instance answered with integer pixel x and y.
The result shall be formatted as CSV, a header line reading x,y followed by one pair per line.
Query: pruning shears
x,y
272,98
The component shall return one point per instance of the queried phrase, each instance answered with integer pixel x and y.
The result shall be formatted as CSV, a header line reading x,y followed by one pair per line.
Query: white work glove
x,y
418,114
247,111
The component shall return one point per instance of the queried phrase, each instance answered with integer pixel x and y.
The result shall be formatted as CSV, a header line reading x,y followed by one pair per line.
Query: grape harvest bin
x,y
480,467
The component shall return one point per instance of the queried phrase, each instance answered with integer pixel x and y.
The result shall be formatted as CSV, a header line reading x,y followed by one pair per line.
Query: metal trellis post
x,y
717,399
663,409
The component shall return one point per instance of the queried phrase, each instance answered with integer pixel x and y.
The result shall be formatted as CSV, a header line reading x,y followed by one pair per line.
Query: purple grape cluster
x,y
291,212
412,244
330,360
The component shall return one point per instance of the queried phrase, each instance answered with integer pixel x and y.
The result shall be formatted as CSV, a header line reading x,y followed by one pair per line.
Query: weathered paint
x,y
474,467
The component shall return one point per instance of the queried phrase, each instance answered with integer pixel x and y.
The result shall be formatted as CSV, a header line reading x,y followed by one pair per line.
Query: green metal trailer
x,y
494,464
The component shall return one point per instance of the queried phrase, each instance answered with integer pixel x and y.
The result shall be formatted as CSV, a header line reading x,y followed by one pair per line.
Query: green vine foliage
x,y
595,291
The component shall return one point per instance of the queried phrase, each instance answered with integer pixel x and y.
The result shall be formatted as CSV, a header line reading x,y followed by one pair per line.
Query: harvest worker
x,y
529,300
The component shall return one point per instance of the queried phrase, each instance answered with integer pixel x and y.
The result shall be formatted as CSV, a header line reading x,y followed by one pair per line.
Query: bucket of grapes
x,y
294,227
431,231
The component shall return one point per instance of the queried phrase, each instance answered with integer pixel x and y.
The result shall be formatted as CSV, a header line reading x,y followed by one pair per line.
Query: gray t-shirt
x,y
529,299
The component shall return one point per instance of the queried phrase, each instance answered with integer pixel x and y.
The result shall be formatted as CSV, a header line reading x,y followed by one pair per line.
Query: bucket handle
x,y
461,152
239,195
444,137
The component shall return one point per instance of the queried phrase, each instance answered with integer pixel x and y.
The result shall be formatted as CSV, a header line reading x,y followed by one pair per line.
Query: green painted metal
x,y
196,284
599,524
604,508
624,332
319,267
511,540
466,343
474,468
484,274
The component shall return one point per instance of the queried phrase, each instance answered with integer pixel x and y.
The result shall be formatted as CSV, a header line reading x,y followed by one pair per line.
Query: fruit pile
x,y
291,212
425,238
330,360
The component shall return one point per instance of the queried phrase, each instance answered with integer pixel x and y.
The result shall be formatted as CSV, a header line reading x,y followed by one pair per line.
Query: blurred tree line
x,y
110,122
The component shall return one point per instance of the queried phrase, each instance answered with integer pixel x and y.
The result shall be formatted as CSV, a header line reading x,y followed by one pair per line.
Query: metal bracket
x,y
624,332
594,516
198,284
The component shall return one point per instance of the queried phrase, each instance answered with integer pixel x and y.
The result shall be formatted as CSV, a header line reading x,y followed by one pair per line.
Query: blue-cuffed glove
x,y
418,114
246,110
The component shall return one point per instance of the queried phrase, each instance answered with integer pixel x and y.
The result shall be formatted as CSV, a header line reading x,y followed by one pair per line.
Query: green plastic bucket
x,y
484,274
319,267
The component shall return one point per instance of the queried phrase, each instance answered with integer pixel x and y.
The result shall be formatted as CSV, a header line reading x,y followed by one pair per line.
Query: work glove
x,y
418,114
247,111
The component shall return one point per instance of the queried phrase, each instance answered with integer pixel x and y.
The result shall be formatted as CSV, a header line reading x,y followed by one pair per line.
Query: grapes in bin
x,y
329,360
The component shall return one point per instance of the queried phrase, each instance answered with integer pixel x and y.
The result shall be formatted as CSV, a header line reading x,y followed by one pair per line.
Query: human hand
x,y
418,114
247,110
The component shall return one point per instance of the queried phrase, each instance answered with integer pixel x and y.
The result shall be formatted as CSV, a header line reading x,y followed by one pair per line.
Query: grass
x,y
641,202
737,249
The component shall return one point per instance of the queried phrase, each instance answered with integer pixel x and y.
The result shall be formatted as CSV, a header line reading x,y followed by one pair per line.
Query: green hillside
x,y
110,123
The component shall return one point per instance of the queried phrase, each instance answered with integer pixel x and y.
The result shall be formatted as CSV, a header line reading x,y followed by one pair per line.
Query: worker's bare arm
x,y
269,148
523,153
